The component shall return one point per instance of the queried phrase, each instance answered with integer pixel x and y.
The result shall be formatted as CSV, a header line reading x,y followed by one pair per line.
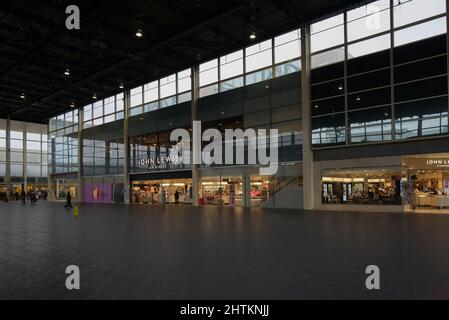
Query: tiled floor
x,y
211,253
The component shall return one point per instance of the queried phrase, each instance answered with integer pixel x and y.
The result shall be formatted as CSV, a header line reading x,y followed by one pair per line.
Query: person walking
x,y
164,197
69,200
23,196
177,197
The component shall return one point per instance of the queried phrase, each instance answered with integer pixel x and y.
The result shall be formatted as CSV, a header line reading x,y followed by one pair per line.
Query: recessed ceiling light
x,y
139,33
340,87
121,86
359,99
316,107
94,96
22,96
253,36
67,72
72,105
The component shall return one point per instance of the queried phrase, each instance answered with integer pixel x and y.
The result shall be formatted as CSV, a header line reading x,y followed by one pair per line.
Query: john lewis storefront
x,y
156,178
412,183
350,98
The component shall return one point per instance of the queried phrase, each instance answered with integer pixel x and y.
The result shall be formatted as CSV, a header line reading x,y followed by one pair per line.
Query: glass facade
x,y
103,146
384,76
28,157
260,62
378,75
63,143
2,150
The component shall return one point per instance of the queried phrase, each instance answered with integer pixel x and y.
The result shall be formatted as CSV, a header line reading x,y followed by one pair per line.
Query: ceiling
x,y
36,48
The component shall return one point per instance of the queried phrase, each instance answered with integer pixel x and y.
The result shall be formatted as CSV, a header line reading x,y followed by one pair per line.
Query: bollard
x,y
75,212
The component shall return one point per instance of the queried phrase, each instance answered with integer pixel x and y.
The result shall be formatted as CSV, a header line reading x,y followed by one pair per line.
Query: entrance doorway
x,y
170,191
225,190
427,189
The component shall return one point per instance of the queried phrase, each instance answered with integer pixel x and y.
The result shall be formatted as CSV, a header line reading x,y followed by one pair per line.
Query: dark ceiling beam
x,y
47,40
165,40
173,6
194,26
159,53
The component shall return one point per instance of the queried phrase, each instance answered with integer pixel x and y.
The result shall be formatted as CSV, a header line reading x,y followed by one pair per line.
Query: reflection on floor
x,y
425,210
182,252
429,211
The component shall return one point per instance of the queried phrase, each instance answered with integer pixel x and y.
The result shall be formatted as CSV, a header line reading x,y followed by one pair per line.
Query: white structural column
x,y
195,167
80,156
8,154
126,180
307,153
25,160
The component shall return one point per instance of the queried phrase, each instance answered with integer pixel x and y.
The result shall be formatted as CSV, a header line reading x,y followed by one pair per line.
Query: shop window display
x,y
260,191
362,187
162,192
428,183
224,191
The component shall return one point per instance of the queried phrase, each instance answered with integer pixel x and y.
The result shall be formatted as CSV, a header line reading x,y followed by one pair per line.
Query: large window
x,y
327,33
231,65
184,81
168,86
410,11
287,46
368,20
136,97
2,152
208,73
36,156
151,92
103,112
421,31
259,56
370,46
16,153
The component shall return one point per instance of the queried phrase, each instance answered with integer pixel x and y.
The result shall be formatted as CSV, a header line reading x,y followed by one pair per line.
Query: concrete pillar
x,y
107,158
25,160
307,153
126,179
246,188
8,154
195,167
80,156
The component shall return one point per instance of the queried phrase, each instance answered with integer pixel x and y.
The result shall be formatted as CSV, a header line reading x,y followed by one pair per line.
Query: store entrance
x,y
169,191
222,191
430,189
427,189
370,186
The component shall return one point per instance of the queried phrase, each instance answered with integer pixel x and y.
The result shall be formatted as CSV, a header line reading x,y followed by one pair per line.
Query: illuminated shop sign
x,y
159,163
438,163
